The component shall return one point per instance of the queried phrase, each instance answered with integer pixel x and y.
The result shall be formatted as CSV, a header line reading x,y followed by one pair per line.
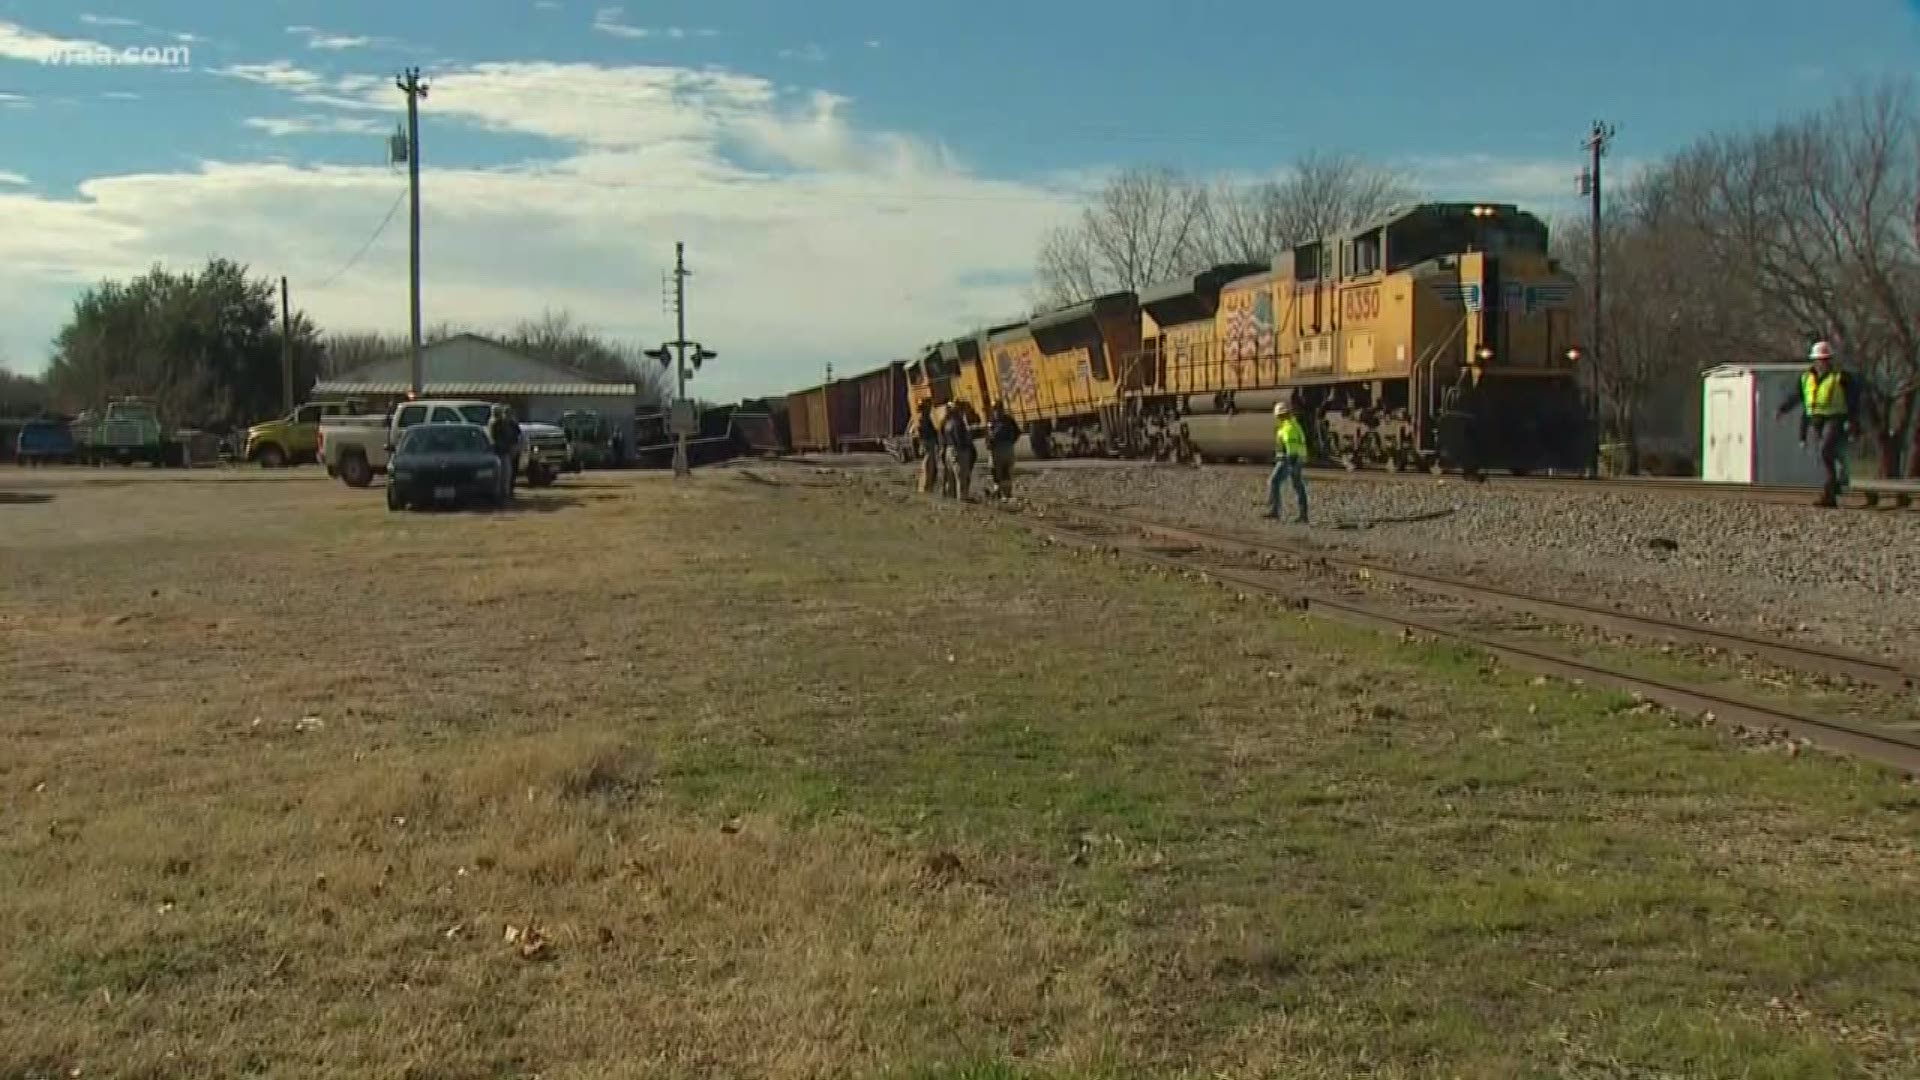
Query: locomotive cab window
x,y
1306,262
1363,255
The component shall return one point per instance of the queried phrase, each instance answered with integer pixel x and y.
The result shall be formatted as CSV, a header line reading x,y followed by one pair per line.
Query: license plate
x,y
443,493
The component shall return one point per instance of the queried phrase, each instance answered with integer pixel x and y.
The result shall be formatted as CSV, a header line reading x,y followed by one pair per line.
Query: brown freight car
x,y
878,401
809,420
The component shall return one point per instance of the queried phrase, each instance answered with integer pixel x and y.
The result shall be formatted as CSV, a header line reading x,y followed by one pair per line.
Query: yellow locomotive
x,y
1438,335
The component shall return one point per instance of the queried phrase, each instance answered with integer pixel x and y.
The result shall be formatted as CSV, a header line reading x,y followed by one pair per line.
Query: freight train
x,y
1440,335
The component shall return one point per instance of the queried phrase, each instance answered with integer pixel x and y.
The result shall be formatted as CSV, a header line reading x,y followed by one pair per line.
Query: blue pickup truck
x,y
45,442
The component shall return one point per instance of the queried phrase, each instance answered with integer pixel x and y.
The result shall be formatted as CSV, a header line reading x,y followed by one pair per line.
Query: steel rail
x,y
1807,658
1891,748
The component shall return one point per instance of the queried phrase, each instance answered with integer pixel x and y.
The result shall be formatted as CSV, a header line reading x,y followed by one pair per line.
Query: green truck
x,y
592,440
127,431
294,439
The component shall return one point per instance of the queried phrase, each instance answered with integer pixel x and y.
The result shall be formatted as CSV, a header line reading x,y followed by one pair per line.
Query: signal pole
x,y
410,85
286,352
682,417
1596,144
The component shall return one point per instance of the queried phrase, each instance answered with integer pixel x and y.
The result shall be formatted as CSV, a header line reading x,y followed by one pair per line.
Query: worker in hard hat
x,y
1289,460
1828,400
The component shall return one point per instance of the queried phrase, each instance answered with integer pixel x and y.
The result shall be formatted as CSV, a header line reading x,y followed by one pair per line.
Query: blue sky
x,y
854,178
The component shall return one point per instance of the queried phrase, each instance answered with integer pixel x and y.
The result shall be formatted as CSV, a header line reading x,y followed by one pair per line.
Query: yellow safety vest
x,y
1289,438
1823,396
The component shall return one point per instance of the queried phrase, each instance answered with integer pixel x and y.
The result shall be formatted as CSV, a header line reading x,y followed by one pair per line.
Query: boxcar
x,y
879,418
807,420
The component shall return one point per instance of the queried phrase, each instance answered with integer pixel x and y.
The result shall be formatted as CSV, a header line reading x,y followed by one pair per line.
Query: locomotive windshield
x,y
1424,237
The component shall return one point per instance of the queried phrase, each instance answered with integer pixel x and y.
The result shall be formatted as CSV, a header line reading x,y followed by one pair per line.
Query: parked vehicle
x,y
295,438
444,464
130,430
545,453
357,448
592,440
45,442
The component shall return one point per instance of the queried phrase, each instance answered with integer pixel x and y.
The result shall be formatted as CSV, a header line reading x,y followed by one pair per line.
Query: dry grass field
x,y
744,779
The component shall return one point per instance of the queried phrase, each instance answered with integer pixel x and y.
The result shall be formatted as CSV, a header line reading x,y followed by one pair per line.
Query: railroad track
x,y
1811,659
1897,749
1897,495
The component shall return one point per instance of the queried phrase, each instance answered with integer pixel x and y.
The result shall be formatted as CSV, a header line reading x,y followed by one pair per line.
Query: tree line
x,y
205,347
1742,246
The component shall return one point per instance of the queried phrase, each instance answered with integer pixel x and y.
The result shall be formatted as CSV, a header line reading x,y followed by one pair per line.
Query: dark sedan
x,y
443,464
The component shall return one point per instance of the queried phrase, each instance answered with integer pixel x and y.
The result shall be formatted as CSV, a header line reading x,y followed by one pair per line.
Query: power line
x,y
364,248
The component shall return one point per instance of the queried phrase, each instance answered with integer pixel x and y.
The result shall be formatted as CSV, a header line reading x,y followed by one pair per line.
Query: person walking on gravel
x,y
1289,460
1828,400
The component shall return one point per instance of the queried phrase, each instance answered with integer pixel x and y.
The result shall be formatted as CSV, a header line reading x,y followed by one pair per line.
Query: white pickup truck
x,y
356,448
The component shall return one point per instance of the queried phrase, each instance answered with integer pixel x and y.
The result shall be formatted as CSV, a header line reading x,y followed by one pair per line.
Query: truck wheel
x,y
271,456
539,476
355,471
393,499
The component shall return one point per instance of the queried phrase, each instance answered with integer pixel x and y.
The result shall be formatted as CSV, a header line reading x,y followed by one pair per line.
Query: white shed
x,y
1743,437
471,366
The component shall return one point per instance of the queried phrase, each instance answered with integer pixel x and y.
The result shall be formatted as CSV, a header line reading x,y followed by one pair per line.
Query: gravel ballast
x,y
1848,578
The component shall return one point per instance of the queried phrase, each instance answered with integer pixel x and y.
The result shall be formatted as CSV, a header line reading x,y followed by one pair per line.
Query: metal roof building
x,y
471,366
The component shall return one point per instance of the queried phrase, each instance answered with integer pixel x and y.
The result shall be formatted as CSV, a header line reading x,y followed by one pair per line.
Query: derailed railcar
x,y
761,426
815,416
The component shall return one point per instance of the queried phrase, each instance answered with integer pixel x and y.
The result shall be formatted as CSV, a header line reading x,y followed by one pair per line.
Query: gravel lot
x,y
1849,578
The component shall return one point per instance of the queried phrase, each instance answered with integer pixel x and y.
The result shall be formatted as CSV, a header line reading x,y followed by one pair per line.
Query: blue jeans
x,y
1283,469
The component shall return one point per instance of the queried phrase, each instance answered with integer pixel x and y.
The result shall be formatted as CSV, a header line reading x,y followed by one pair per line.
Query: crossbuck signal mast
x,y
684,421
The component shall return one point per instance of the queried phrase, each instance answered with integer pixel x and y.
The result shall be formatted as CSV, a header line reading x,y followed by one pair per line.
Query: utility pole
x,y
1596,144
286,351
676,351
410,85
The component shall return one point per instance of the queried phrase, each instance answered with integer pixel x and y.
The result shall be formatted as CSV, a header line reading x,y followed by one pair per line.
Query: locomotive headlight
x,y
1574,355
1484,353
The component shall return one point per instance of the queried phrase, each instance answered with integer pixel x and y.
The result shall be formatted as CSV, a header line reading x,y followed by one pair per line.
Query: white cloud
x,y
12,179
811,53
321,39
280,127
608,20
19,43
1532,182
278,74
872,44
810,234
110,20
546,5
120,95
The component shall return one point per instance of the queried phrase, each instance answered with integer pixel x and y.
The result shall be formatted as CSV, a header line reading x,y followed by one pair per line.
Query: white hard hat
x,y
1820,351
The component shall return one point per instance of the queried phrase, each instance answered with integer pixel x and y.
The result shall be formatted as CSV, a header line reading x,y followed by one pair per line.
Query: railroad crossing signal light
x,y
1575,355
661,355
702,353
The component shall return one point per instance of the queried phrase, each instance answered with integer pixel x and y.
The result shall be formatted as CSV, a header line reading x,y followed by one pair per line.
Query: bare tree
x,y
1145,226
1149,225
1320,196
